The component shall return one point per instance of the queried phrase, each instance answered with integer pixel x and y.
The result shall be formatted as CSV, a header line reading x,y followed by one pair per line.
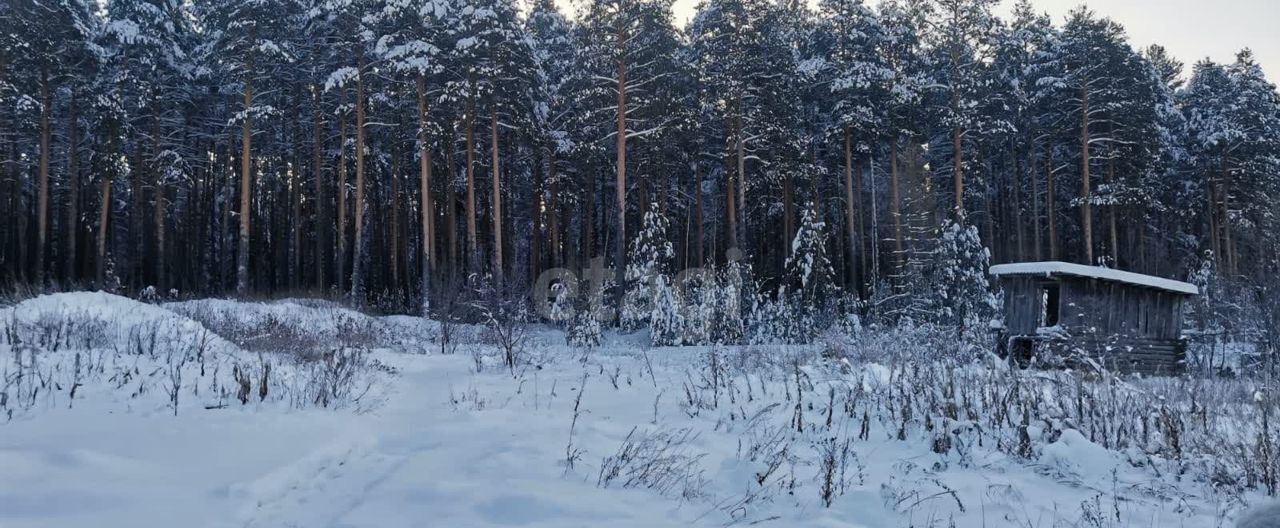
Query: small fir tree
x,y
651,256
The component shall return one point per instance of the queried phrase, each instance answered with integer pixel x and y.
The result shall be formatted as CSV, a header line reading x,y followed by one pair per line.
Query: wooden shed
x,y
1058,311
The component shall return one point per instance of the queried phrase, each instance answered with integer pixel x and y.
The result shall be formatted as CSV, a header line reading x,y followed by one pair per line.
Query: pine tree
x,y
910,205
554,51
1254,166
651,260
809,280
150,41
731,291
666,319
412,46
860,83
246,36
956,291
963,43
809,274
56,37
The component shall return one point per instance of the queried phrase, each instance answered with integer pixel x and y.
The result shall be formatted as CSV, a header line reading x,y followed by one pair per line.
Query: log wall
x,y
1124,327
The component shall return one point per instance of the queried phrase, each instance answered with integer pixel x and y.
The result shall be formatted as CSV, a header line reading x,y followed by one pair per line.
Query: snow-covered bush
x,y
584,332
948,286
666,320
562,310
699,307
809,282
728,327
963,297
651,255
770,320
809,278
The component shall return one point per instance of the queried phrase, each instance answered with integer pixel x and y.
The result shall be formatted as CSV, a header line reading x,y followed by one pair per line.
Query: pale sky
x,y
1189,29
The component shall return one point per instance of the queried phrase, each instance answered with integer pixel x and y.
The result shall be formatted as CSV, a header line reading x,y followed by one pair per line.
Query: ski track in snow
x,y
316,490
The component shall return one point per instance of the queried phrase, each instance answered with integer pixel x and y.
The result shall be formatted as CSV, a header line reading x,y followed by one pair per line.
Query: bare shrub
x,y
660,460
834,456
506,323
338,377
573,453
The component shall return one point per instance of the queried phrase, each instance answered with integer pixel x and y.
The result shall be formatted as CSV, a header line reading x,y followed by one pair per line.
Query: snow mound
x,y
1074,456
1265,516
91,320
304,323
68,349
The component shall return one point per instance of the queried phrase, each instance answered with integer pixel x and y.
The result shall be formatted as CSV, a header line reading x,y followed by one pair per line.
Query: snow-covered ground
x,y
623,435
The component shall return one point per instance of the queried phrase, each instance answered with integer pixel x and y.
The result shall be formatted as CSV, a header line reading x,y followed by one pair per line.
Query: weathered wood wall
x,y
1109,308
1124,327
1022,297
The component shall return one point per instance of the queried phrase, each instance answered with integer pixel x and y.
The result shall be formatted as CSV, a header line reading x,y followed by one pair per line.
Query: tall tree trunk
x,y
428,207
957,145
741,172
246,179
1228,243
395,236
620,239
553,208
1086,209
1111,209
158,210
451,204
21,212
788,213
699,219
859,229
324,223
589,245
731,209
473,247
137,225
42,202
358,257
340,266
104,216
295,198
536,207
957,167
1018,222
1050,204
496,199
1035,202
851,227
895,205
73,198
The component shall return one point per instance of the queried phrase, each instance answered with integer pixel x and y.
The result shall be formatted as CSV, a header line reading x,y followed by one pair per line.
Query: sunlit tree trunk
x,y
42,200
246,179
428,207
358,256
324,224
473,246
341,258
620,238
496,199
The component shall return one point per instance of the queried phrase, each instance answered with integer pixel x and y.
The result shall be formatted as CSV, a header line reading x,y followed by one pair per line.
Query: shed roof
x,y
1049,269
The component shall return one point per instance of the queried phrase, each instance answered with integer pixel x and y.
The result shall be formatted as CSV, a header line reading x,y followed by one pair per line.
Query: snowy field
x,y
119,413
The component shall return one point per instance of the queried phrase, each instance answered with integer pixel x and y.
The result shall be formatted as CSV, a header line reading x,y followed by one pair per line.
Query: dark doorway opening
x,y
1049,304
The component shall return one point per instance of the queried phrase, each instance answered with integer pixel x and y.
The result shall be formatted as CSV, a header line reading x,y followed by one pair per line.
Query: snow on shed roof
x,y
1094,272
